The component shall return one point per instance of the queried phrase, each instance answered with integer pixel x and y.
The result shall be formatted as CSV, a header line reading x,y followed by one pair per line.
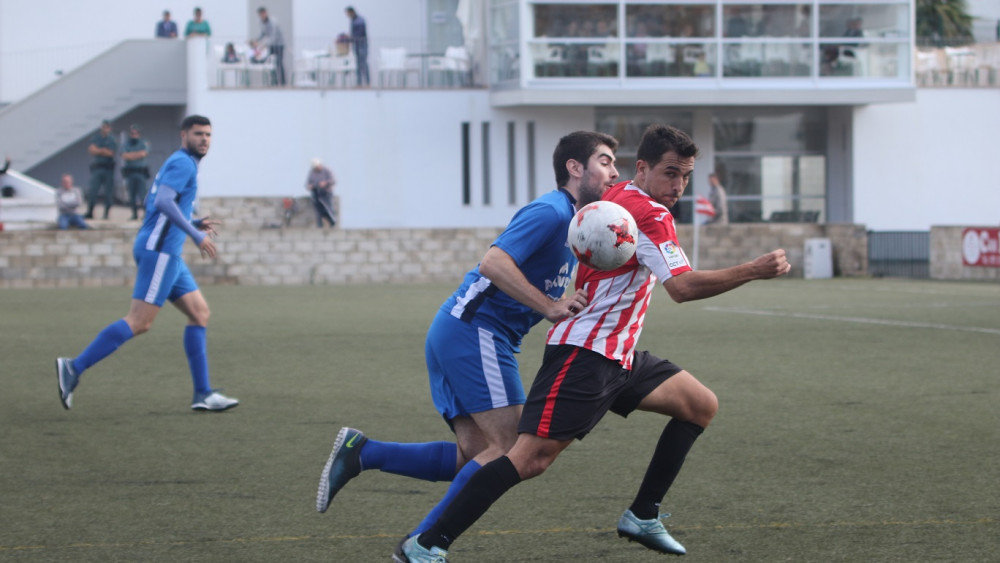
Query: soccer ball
x,y
602,235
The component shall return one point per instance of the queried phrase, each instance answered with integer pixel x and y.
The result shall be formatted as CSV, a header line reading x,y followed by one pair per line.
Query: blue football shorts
x,y
160,277
471,369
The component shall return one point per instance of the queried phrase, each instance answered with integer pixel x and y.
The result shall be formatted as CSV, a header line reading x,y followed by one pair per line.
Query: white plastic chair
x,y
459,62
332,67
306,69
238,70
392,65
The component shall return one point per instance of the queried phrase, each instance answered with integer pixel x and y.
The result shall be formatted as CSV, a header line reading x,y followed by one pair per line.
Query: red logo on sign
x,y
981,247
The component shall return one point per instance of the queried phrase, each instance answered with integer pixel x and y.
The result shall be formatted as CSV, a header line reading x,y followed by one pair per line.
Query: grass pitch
x,y
858,422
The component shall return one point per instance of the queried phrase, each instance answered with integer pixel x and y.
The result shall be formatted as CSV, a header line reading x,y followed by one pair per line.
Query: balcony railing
x,y
318,63
976,65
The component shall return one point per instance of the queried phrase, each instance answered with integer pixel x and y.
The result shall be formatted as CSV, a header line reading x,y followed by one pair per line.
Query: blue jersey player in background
x,y
162,274
470,347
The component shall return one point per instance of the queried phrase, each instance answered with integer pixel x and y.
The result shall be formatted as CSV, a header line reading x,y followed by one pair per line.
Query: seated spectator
x,y
166,28
197,27
68,199
230,56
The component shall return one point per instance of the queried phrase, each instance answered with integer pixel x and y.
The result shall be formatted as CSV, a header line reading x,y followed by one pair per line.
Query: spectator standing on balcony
x,y
197,27
320,184
359,38
162,274
68,199
134,169
166,28
270,35
102,169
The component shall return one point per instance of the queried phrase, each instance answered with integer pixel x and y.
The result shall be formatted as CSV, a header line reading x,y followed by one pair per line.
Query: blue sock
x,y
456,485
106,342
197,354
430,461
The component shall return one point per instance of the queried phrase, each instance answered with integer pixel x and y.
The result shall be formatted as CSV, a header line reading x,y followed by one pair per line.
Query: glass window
x,y
667,20
772,164
628,124
882,60
864,20
871,40
576,20
767,59
791,129
767,20
504,49
662,59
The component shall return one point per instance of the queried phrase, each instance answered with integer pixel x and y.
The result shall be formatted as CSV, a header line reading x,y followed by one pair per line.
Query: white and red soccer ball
x,y
602,235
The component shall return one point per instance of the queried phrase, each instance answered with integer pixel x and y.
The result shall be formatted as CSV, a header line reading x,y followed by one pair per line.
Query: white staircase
x,y
132,73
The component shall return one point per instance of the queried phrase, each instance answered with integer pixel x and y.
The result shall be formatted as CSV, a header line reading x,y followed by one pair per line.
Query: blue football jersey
x,y
179,173
536,240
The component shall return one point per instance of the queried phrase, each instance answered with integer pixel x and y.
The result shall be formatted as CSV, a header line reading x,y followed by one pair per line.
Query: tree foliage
x,y
944,21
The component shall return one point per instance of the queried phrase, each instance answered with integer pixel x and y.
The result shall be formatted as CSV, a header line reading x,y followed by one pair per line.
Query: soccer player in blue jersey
x,y
163,274
470,347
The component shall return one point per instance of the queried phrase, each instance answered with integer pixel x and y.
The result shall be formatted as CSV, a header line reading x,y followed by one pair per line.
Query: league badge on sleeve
x,y
673,255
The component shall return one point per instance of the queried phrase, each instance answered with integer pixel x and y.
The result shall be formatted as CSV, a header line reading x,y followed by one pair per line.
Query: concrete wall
x,y
251,255
928,163
946,258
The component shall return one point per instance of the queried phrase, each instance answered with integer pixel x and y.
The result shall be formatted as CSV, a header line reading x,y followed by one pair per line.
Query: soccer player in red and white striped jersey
x,y
591,364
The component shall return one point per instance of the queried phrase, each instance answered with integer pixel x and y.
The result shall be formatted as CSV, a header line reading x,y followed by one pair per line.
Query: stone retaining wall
x,y
946,258
254,249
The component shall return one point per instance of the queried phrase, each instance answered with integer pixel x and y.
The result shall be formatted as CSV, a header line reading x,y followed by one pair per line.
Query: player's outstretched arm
x,y
502,270
701,284
166,203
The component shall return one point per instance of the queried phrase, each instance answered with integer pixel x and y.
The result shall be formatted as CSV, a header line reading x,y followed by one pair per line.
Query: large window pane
x,y
670,20
772,163
873,60
576,20
503,34
766,20
767,59
670,59
793,129
575,59
628,125
864,20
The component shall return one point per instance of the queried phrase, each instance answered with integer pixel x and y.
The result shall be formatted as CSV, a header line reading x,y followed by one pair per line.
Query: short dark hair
x,y
192,120
261,10
658,140
578,146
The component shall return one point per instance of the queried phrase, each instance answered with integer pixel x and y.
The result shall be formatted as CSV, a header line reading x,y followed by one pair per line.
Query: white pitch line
x,y
861,320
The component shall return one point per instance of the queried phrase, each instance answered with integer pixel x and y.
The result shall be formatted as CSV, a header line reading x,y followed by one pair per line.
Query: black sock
x,y
675,442
483,489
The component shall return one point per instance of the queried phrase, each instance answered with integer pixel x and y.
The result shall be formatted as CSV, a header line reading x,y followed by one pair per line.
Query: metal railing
x,y
903,254
968,66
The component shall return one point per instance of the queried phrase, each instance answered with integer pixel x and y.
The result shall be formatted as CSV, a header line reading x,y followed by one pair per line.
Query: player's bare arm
x,y
701,284
501,269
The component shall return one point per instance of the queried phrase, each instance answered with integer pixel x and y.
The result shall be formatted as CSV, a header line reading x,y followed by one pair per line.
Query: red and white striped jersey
x,y
617,300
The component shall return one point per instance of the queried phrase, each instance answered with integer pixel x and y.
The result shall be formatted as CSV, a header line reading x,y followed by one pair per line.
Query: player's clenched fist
x,y
771,265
